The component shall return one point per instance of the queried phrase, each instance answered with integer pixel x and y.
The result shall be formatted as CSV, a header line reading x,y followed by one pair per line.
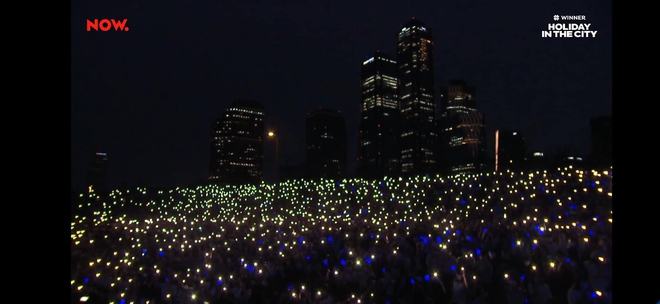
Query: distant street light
x,y
277,155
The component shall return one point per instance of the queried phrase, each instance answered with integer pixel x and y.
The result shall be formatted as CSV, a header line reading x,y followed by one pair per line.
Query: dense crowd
x,y
534,237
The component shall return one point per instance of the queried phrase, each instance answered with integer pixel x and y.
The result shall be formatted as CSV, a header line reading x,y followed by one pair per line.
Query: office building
x,y
416,95
237,144
457,97
325,155
97,172
463,138
465,149
601,141
510,151
378,153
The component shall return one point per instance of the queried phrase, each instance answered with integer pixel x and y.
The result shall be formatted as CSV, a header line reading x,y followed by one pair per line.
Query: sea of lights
x,y
114,233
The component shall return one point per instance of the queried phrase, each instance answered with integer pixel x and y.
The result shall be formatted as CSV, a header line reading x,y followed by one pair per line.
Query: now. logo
x,y
106,24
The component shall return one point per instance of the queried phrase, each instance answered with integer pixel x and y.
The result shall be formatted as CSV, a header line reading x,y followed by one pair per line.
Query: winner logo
x,y
569,30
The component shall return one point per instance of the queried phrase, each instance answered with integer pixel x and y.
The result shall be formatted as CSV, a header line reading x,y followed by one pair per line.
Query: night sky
x,y
147,97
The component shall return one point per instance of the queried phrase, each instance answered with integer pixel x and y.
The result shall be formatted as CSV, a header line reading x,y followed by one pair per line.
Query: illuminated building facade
x,y
601,141
379,132
463,137
326,151
237,144
510,151
416,95
97,172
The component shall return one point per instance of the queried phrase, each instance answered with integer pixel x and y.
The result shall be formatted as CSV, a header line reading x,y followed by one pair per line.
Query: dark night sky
x,y
147,97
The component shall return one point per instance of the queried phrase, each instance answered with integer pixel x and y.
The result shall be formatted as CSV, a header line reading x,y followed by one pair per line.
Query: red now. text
x,y
105,25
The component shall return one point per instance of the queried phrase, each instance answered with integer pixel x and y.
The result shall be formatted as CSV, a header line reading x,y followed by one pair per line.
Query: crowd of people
x,y
506,237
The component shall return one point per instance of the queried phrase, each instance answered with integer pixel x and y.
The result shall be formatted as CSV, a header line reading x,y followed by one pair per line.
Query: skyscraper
x,y
97,172
463,138
510,150
237,144
601,141
379,132
325,155
457,97
416,95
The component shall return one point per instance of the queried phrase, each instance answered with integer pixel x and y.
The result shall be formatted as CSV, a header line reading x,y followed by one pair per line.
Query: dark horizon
x,y
148,97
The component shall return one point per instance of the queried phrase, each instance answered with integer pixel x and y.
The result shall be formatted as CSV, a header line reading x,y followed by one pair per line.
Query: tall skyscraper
x,y
463,138
456,98
601,141
379,124
510,150
325,155
97,172
416,95
237,144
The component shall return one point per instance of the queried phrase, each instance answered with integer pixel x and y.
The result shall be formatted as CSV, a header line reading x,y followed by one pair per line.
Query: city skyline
x,y
160,148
